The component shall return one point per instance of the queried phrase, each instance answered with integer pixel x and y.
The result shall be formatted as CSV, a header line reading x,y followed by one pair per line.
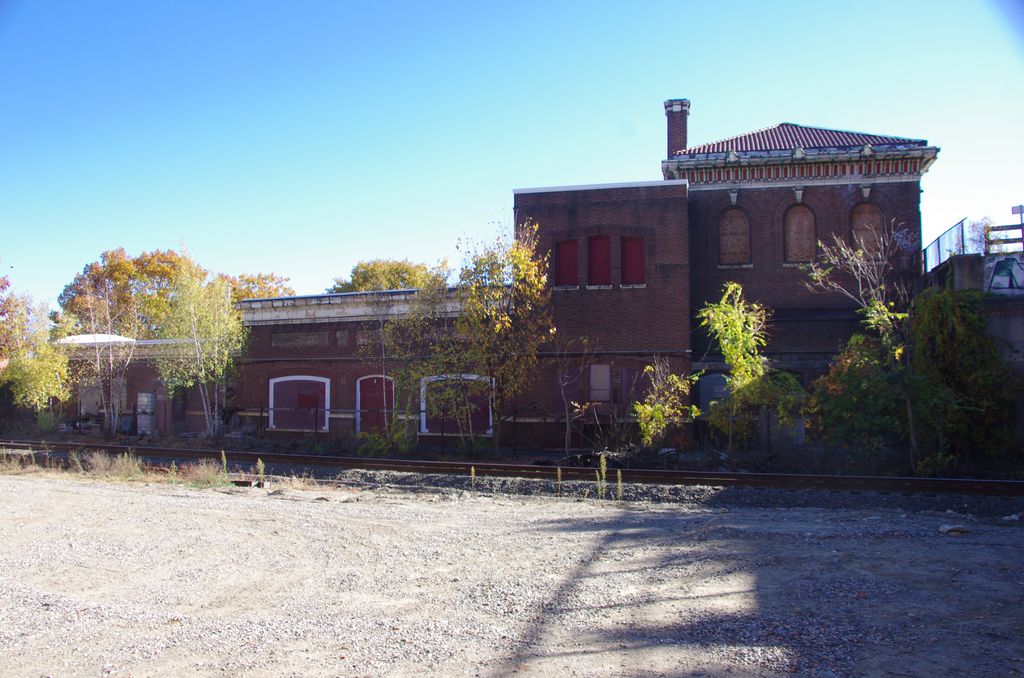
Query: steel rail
x,y
791,481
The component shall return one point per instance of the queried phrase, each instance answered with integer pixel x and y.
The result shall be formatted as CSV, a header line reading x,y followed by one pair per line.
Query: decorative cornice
x,y
922,156
802,183
814,169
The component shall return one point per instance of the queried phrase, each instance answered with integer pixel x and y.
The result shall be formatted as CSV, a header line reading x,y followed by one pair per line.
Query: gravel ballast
x,y
369,579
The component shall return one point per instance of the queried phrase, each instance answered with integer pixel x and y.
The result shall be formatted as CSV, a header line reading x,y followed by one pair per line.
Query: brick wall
x,y
653,318
805,322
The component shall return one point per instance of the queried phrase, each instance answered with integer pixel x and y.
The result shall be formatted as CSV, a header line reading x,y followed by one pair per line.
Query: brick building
x,y
631,265
634,262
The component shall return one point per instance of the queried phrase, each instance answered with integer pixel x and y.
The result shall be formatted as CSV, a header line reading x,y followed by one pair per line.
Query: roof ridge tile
x,y
789,136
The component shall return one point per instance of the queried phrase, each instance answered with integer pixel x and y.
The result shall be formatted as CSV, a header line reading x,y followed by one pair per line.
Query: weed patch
x,y
204,473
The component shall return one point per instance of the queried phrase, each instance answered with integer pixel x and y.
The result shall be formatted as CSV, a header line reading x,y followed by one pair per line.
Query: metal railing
x,y
978,238
951,242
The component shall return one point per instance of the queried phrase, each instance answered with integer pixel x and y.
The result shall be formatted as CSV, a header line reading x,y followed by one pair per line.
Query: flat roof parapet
x,y
334,307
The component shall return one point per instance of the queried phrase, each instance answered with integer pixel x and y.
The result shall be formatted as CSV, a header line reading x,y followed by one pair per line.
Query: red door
x,y
376,401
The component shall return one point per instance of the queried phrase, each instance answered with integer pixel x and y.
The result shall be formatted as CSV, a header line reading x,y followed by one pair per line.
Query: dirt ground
x,y
138,580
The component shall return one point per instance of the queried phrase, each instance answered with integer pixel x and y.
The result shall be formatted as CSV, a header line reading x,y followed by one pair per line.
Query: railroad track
x,y
792,481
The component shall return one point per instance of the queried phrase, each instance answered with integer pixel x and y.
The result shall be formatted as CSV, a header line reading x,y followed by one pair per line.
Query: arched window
x,y
733,238
455,404
866,227
300,403
799,236
375,402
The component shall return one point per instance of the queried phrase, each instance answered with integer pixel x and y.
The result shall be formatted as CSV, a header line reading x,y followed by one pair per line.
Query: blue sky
x,y
302,137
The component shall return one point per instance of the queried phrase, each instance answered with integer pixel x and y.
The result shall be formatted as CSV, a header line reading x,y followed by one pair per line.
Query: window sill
x,y
565,288
723,266
599,287
455,434
796,264
633,286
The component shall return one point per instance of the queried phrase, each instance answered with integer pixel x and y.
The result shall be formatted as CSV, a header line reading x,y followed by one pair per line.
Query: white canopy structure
x,y
95,339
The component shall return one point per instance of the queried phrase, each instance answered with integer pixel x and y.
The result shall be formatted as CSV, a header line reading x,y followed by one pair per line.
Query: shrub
x,y
204,473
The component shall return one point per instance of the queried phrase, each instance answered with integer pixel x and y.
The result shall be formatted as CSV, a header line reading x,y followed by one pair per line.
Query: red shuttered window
x,y
633,263
566,269
600,260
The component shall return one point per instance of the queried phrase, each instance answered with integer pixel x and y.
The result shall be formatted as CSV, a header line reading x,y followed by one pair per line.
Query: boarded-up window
x,y
800,240
599,271
600,383
566,269
633,262
866,224
298,339
734,238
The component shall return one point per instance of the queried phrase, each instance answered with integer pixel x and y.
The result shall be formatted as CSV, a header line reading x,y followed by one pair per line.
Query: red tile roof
x,y
787,136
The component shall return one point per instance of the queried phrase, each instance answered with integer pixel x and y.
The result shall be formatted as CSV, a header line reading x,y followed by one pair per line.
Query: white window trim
x,y
302,377
359,408
467,377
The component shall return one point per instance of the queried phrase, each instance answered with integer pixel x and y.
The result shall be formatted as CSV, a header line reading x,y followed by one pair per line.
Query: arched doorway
x,y
375,402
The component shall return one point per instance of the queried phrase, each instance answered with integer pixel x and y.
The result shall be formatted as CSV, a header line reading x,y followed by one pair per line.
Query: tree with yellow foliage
x,y
505,315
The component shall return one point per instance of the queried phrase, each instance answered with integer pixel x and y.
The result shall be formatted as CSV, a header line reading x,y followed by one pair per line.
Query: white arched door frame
x,y
303,377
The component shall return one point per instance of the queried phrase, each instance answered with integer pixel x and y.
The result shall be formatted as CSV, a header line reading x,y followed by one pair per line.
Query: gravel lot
x,y
131,579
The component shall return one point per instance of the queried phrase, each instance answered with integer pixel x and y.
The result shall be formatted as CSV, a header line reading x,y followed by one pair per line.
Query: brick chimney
x,y
676,110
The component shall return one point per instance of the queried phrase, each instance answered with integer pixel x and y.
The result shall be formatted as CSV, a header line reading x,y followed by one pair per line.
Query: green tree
x,y
666,403
37,368
409,337
505,315
109,316
857,404
257,286
6,308
384,274
966,389
204,333
869,278
754,388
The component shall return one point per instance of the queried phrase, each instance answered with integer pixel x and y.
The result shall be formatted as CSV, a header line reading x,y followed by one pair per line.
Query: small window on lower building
x,y
600,383
633,261
566,267
599,260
